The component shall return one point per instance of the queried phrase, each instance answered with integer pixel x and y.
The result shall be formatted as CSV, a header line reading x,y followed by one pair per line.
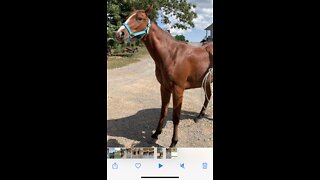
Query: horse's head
x,y
137,24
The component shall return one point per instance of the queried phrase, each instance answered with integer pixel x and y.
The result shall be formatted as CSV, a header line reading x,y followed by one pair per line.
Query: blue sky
x,y
205,18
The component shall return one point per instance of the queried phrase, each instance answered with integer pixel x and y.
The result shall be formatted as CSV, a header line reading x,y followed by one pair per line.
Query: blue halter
x,y
132,35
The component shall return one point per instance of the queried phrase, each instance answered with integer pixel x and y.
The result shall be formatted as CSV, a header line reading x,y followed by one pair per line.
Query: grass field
x,y
120,61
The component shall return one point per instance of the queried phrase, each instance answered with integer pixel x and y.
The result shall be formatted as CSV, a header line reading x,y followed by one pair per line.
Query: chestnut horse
x,y
179,66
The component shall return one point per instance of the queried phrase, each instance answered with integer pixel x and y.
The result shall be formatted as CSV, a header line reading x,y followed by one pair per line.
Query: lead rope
x,y
204,82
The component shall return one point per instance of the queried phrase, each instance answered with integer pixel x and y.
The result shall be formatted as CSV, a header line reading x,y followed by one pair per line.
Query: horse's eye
x,y
139,19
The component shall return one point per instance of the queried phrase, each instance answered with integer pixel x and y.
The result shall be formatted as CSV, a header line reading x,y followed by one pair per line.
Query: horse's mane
x,y
167,34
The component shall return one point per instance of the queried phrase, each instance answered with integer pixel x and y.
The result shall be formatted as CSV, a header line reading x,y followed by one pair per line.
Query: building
x,y
209,36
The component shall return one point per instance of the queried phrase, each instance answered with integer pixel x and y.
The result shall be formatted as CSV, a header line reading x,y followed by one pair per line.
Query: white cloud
x,y
204,12
175,32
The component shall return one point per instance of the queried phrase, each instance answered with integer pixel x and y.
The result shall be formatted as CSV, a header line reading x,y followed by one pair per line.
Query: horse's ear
x,y
148,10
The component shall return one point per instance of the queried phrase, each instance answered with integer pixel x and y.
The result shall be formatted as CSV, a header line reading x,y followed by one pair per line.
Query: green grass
x,y
120,61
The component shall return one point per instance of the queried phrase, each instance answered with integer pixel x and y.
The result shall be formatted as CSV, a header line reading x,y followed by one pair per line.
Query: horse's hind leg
x,y
207,90
165,98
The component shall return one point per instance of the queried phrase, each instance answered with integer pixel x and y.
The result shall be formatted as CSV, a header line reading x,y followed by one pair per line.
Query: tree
x,y
180,38
118,10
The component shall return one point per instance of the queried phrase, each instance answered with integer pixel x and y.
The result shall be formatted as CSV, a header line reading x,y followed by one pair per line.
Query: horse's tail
x,y
209,49
209,76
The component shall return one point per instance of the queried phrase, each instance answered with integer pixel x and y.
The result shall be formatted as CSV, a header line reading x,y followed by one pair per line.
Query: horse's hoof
x,y
196,120
173,143
152,141
200,116
154,136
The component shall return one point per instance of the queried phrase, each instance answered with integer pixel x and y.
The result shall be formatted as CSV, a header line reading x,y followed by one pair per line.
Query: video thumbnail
x,y
141,153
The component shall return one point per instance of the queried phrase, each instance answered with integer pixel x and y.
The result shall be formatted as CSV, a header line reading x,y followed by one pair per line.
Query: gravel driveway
x,y
133,110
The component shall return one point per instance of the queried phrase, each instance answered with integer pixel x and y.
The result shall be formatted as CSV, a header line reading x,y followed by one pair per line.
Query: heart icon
x,y
138,165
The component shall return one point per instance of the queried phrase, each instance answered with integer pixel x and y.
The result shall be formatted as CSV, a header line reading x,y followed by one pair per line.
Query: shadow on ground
x,y
139,126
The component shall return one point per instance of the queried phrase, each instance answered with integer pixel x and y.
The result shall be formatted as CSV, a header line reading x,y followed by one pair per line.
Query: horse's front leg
x,y
177,103
165,98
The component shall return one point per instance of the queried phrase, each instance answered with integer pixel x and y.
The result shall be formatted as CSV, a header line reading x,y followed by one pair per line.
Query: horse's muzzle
x,y
121,36
118,37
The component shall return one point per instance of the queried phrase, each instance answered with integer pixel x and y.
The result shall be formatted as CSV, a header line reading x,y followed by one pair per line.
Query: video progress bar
x,y
177,177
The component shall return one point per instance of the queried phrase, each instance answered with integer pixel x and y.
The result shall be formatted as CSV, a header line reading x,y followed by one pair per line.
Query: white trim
x,y
122,27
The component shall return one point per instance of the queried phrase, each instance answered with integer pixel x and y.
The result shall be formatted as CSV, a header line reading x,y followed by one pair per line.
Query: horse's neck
x,y
158,45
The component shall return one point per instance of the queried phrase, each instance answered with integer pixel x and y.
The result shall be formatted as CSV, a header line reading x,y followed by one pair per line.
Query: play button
x,y
160,165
